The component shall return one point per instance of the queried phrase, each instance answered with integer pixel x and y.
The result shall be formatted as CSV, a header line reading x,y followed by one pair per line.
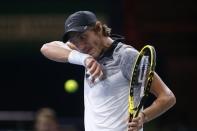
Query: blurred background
x,y
29,82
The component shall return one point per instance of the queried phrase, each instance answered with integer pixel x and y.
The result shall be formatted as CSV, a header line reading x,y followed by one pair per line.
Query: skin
x,y
46,124
89,42
165,99
45,120
93,42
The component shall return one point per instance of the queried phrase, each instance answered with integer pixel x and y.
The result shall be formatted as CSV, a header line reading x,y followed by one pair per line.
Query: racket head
x,y
145,64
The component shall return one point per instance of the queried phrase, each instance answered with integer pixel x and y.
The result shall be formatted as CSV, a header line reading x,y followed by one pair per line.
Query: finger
x,y
136,119
88,72
92,65
132,129
91,70
99,77
95,69
96,80
89,62
133,124
90,78
93,77
97,72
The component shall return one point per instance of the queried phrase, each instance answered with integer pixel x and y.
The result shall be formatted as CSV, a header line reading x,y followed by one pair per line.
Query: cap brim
x,y
76,29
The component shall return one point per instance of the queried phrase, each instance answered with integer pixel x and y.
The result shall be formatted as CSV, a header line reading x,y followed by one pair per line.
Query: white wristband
x,y
77,58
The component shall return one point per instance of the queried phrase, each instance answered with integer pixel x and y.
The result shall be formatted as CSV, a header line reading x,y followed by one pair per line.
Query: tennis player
x,y
108,63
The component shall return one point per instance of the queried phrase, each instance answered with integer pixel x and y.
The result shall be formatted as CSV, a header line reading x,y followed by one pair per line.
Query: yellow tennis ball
x,y
71,86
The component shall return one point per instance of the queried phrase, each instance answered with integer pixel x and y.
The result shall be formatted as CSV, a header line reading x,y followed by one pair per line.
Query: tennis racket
x,y
142,75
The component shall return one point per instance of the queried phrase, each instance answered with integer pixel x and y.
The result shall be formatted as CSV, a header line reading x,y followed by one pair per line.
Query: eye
x,y
82,37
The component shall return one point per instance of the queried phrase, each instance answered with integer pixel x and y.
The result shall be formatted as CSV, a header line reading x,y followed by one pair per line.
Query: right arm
x,y
67,52
56,51
64,52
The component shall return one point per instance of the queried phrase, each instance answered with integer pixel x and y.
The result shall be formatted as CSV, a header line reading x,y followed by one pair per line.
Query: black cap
x,y
78,22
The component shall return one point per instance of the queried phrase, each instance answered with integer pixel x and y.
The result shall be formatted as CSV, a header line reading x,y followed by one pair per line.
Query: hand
x,y
136,123
94,69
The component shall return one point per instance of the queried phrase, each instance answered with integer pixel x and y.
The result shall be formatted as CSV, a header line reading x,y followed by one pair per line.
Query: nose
x,y
82,46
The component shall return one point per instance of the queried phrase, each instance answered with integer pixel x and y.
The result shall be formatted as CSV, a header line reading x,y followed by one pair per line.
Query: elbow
x,y
168,100
172,99
44,49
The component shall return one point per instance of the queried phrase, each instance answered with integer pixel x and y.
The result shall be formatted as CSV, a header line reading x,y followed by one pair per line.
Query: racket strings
x,y
143,73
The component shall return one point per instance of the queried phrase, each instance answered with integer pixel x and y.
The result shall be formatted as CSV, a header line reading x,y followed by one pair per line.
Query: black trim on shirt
x,y
110,50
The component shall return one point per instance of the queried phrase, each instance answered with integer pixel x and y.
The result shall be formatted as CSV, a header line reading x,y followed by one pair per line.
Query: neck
x,y
106,46
107,42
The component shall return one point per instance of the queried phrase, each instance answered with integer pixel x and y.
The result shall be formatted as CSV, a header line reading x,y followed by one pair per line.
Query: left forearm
x,y
165,99
159,106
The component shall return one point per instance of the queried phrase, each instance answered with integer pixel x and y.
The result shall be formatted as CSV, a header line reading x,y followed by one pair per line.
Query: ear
x,y
98,27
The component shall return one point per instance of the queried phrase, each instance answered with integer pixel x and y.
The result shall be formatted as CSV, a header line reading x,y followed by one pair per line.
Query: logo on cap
x,y
68,25
85,27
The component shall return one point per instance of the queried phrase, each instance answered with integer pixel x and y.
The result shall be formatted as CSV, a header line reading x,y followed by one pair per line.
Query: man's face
x,y
88,42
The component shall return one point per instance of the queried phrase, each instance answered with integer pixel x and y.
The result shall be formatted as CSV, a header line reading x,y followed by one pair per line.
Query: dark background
x,y
28,81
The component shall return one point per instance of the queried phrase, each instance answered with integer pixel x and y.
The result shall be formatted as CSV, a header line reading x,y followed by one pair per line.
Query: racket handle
x,y
130,117
136,114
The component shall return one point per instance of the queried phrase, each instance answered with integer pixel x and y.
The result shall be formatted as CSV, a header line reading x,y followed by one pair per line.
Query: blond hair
x,y
106,31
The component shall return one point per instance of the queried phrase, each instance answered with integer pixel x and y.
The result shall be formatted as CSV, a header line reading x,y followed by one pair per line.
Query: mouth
x,y
88,51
